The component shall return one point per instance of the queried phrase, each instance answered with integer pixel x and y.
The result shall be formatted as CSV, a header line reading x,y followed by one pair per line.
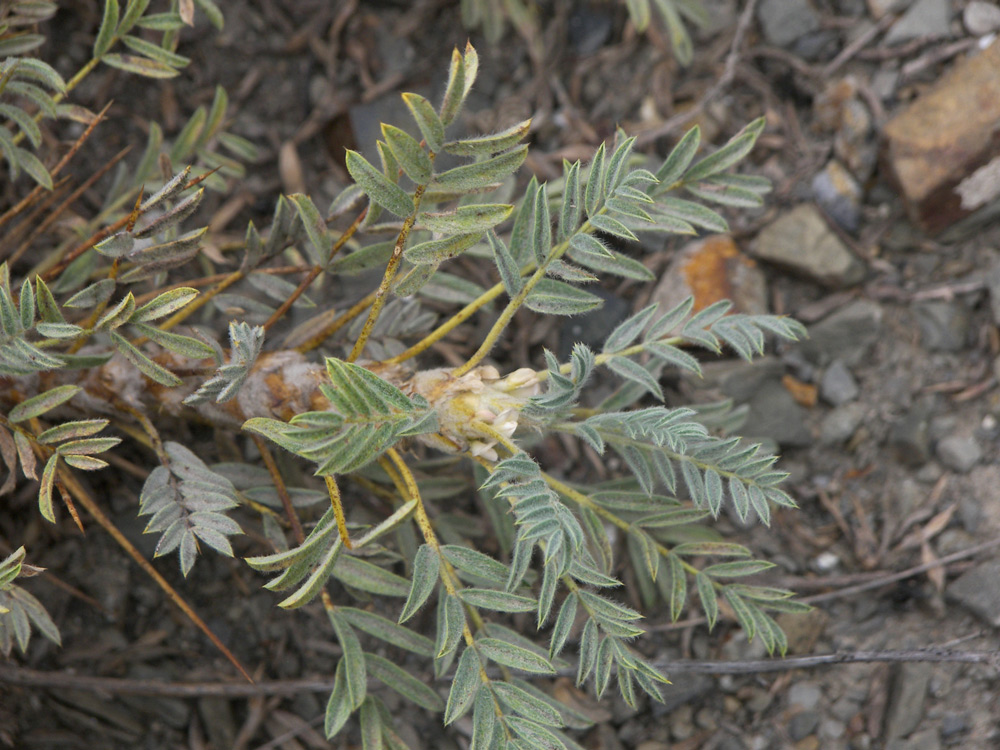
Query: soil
x,y
893,489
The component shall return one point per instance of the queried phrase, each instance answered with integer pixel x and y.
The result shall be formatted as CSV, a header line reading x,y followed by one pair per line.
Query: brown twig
x,y
23,677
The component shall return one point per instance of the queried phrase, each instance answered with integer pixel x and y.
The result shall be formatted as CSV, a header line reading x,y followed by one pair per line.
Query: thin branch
x,y
33,678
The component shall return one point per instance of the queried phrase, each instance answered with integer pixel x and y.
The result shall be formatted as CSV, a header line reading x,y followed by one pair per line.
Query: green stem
x,y
515,303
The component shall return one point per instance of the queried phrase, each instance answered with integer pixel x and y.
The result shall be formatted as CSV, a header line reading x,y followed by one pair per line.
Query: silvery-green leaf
x,y
388,631
499,601
437,251
541,229
633,371
612,226
164,304
463,686
142,66
338,707
117,315
145,365
683,214
353,660
734,151
563,626
628,330
466,219
510,272
415,162
492,171
43,402
377,186
175,342
523,703
96,294
554,297
427,120
319,236
426,571
403,683
594,193
513,656
155,52
45,486
451,624
487,145
676,163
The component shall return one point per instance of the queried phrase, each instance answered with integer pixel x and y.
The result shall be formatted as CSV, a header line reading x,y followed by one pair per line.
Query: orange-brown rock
x,y
944,149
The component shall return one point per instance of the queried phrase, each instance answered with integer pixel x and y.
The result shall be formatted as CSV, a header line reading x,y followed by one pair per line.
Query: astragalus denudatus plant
x,y
524,582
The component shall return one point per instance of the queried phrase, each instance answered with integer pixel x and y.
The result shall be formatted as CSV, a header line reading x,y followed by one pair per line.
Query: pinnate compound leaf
x,y
379,188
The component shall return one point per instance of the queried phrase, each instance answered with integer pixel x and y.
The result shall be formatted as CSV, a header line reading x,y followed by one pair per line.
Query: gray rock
x,y
959,452
848,334
977,590
801,241
906,699
744,380
840,424
839,195
923,18
593,327
805,695
953,724
993,285
684,691
803,724
838,385
831,729
910,436
981,18
589,27
784,21
925,740
944,325
775,415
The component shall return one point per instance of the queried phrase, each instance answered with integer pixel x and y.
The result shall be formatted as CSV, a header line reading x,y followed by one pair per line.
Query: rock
x,y
953,724
775,415
840,424
944,150
906,699
740,380
926,740
854,142
923,18
878,8
993,287
981,18
713,269
847,334
838,385
910,436
977,590
803,724
944,325
784,21
588,28
839,195
682,722
801,241
684,691
592,328
804,695
959,452
831,729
